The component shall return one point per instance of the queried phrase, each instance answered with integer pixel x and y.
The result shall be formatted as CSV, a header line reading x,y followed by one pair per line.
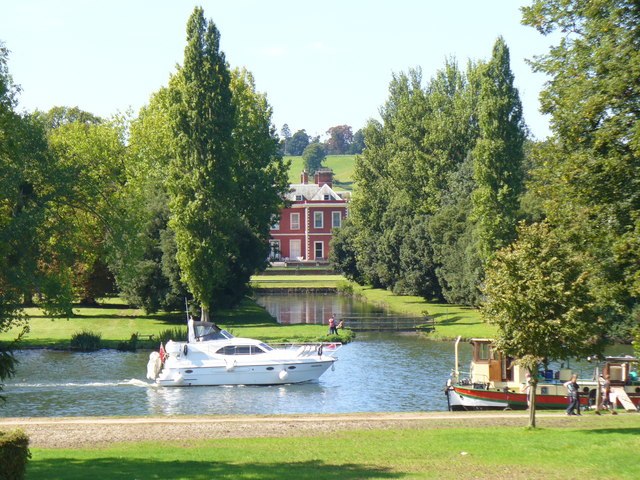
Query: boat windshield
x,y
204,331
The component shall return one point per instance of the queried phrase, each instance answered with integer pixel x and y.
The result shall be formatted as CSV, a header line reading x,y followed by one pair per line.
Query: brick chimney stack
x,y
304,177
324,176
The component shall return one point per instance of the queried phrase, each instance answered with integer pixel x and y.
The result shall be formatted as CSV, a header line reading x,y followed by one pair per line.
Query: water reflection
x,y
311,308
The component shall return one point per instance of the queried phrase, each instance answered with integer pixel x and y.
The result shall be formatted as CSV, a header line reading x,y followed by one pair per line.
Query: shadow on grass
x,y
113,306
625,431
345,185
450,320
166,318
118,468
169,318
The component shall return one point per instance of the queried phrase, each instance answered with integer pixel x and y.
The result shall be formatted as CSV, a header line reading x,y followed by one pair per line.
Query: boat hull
x,y
256,374
470,398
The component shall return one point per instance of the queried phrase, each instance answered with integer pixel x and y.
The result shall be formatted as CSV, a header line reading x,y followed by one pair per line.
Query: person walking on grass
x,y
574,395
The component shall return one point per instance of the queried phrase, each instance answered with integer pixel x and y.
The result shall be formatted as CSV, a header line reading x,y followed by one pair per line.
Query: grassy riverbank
x,y
474,447
293,281
451,320
115,322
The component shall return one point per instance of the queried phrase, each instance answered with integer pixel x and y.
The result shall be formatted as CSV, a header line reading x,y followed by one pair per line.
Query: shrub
x,y
129,346
345,288
86,341
345,335
14,454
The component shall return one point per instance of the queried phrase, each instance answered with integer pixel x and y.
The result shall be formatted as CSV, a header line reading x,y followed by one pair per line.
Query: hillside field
x,y
342,166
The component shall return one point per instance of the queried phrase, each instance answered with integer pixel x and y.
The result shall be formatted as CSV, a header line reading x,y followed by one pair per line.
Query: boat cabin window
x,y
481,352
242,349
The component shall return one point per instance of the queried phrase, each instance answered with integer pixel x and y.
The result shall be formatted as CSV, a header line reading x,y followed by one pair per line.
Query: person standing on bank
x,y
606,394
574,395
332,326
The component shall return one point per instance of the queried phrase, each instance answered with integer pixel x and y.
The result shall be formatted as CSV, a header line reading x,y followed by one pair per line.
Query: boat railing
x,y
477,381
311,348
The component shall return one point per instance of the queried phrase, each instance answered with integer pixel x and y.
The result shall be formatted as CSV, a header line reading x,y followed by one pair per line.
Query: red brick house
x,y
305,227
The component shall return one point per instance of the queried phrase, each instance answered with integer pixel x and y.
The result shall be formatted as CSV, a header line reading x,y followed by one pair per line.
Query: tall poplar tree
x,y
498,154
227,179
200,181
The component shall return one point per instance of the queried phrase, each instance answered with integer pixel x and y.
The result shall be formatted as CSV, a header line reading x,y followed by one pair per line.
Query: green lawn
x,y
296,281
113,320
592,447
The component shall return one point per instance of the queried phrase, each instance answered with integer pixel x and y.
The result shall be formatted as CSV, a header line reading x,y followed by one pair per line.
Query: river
x,y
376,373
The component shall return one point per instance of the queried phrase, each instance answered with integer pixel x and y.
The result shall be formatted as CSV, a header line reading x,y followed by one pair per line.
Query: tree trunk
x,y
532,406
204,317
533,384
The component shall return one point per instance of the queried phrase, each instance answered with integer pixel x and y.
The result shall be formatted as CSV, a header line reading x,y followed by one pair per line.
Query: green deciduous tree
x,y
298,142
537,294
94,153
342,254
459,266
357,146
340,140
590,176
146,270
313,157
440,180
33,254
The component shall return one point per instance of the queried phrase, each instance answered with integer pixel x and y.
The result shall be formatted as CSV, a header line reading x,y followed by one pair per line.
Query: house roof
x,y
311,192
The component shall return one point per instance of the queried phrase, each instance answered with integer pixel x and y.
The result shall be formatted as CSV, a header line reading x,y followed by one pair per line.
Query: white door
x,y
294,249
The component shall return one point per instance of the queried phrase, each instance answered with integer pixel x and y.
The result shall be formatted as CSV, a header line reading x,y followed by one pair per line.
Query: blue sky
x,y
321,63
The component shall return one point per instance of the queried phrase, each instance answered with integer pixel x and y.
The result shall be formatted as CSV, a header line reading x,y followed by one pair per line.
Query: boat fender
x,y
154,366
230,365
283,374
320,350
185,350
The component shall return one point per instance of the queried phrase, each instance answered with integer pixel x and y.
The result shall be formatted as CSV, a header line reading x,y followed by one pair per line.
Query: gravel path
x,y
97,431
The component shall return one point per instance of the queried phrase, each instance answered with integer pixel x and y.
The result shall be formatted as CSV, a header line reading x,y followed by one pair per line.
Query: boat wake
x,y
133,382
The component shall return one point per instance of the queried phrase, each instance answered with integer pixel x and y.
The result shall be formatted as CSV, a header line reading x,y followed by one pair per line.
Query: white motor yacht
x,y
213,356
